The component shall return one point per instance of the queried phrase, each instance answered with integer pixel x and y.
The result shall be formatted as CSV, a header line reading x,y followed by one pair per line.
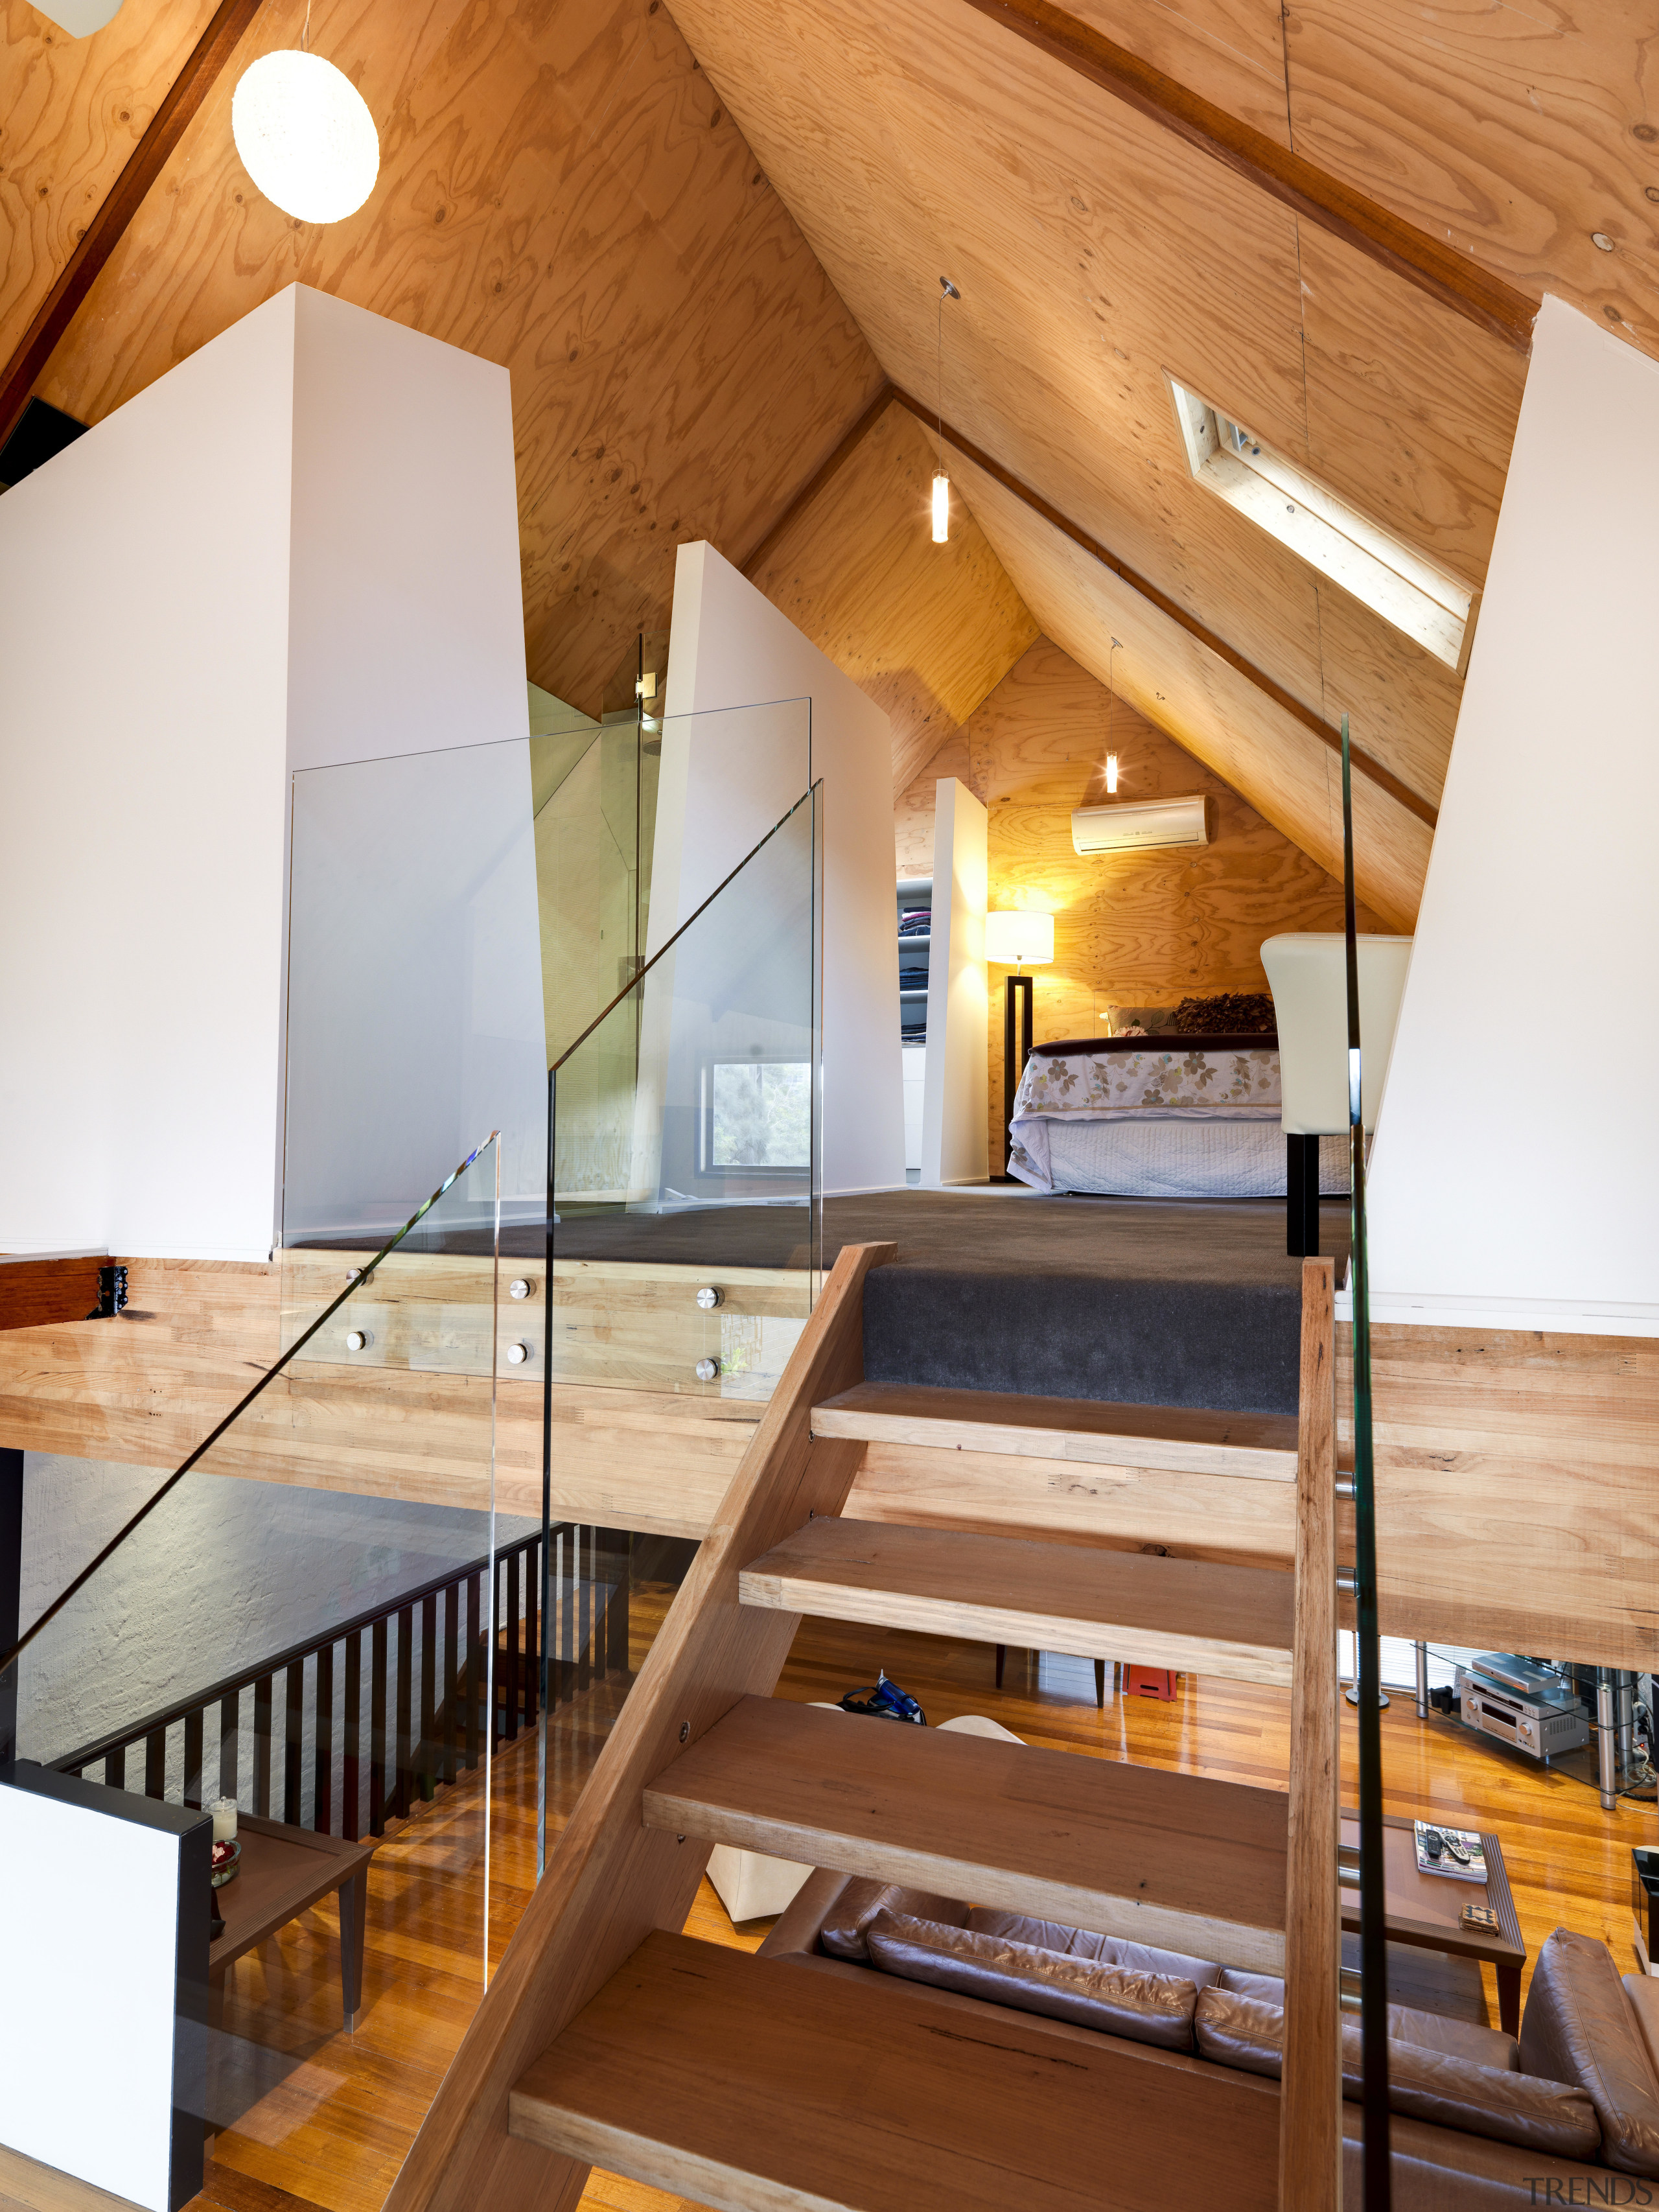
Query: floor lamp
x,y
1017,940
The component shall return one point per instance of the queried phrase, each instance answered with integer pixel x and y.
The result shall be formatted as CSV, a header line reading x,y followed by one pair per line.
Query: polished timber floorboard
x,y
334,2115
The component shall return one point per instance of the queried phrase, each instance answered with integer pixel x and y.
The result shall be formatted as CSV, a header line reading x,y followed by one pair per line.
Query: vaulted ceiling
x,y
704,242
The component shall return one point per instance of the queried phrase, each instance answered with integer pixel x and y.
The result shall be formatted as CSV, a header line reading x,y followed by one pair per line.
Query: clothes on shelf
x,y
915,921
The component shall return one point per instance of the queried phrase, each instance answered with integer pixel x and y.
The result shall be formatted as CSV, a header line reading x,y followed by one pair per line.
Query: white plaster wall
x,y
956,1105
1514,1181
298,546
729,776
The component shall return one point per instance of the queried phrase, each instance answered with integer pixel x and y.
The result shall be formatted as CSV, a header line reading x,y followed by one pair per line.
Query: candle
x,y
224,1820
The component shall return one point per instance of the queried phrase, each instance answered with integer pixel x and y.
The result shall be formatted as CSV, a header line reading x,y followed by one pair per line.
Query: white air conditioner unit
x,y
1130,829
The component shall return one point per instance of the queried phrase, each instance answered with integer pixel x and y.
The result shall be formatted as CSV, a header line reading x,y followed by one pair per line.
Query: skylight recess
x,y
1430,607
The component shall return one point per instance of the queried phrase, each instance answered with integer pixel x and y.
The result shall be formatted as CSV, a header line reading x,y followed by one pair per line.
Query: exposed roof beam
x,y
1383,777
1429,263
820,477
121,202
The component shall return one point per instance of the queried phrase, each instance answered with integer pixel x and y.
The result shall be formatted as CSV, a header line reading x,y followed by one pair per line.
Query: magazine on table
x,y
1454,1851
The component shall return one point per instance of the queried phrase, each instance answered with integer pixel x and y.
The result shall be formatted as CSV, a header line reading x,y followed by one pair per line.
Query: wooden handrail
x,y
610,1880
1310,2112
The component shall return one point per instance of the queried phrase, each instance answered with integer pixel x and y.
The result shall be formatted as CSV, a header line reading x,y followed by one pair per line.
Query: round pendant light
x,y
306,136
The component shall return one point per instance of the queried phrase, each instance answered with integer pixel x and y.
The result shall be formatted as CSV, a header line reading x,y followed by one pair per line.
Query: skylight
x,y
1431,607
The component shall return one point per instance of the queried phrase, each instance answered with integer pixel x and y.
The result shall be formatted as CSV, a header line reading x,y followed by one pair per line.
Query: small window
x,y
1399,585
758,1115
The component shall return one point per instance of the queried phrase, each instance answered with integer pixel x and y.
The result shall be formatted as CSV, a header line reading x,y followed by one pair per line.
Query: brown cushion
x,y
1268,1987
1457,2039
1579,2028
1452,2092
844,1925
1083,1943
1146,2007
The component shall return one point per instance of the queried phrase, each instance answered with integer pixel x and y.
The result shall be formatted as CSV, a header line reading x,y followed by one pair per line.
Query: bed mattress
x,y
1160,1155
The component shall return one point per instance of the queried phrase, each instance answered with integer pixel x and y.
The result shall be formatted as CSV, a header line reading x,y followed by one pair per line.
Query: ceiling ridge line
x,y
174,112
1372,770
1453,279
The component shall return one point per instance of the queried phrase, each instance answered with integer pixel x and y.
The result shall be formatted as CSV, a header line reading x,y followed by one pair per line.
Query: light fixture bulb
x,y
941,508
1111,771
306,136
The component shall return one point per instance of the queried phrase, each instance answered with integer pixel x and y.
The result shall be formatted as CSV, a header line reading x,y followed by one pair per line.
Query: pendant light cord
x,y
947,290
305,36
1111,690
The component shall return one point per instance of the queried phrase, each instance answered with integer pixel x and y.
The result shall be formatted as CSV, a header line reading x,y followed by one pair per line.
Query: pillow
x,y
1249,2033
1234,1013
1083,1943
1125,1021
1154,2008
842,1932
1579,2027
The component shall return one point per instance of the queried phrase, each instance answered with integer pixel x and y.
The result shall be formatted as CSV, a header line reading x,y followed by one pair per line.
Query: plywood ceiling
x,y
926,629
562,190
1095,251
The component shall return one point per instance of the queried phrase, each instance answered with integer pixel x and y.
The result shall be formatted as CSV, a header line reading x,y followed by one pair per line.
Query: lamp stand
x,y
1013,987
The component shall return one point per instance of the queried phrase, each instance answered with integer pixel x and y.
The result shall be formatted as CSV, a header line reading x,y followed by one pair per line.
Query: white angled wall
x,y
723,788
1514,1181
956,1104
298,546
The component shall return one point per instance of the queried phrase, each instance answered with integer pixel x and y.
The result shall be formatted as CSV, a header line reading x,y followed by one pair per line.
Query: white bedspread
x,y
1167,1155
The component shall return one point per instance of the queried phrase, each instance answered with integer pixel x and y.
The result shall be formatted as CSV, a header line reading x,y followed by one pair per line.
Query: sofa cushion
x,y
1144,2007
842,1933
1268,1987
1579,2027
1457,2039
1083,1944
1428,2084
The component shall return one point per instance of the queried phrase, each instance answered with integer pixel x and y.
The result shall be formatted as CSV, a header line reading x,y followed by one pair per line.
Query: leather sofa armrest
x,y
1643,1990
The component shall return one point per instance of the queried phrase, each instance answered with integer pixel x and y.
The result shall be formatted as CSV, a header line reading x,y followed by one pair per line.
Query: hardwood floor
x,y
333,2115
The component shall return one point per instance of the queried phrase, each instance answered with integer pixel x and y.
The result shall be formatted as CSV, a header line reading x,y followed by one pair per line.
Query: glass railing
x,y
323,1630
685,1145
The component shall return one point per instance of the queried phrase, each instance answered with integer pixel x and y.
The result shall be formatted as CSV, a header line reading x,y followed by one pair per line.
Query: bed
x,y
1159,1117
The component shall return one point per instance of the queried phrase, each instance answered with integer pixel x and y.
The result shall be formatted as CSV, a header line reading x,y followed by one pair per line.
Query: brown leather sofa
x,y
1567,2115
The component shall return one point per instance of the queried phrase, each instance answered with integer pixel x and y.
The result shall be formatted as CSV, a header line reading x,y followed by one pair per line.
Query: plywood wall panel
x,y
71,110
1415,431
1515,133
1130,928
561,192
1230,52
1218,716
926,629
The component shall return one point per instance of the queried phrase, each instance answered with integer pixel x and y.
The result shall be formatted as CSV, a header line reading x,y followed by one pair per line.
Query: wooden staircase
x,y
753,2083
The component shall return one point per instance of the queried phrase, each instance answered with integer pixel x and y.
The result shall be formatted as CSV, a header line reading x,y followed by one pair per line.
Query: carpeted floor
x,y
1132,1301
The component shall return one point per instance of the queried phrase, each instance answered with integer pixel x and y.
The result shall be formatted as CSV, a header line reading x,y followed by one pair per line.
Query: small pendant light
x,y
941,481
1111,715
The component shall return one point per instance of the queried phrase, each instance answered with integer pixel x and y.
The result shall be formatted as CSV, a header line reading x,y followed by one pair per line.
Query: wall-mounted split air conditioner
x,y
1127,829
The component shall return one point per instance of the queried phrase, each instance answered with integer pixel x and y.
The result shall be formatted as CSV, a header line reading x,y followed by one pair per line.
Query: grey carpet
x,y
1137,1301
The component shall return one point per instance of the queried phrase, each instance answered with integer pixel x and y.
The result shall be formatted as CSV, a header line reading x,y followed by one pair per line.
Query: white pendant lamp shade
x,y
941,509
306,136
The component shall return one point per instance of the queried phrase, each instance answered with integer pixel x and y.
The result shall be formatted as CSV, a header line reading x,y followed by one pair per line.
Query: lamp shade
x,y
1019,939
306,136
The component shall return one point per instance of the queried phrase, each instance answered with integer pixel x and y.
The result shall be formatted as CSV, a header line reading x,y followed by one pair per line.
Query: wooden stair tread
x,y
1181,1861
761,2085
1193,1616
1258,1445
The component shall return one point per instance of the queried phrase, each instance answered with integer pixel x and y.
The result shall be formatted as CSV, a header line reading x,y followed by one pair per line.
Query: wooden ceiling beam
x,y
1429,263
820,477
121,202
1364,765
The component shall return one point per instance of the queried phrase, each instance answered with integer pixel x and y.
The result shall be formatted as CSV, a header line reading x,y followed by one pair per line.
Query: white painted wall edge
x,y
1525,1316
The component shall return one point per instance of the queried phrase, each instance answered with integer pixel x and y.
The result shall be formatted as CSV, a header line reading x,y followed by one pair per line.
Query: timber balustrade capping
x,y
426,1691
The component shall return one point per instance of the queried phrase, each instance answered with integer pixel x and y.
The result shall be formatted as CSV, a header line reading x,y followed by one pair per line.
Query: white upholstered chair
x,y
1308,978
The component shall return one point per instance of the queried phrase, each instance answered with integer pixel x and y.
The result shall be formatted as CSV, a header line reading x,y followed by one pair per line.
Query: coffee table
x,y
282,1871
1423,1909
